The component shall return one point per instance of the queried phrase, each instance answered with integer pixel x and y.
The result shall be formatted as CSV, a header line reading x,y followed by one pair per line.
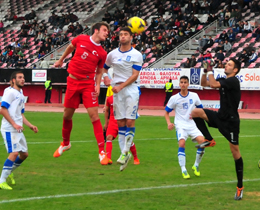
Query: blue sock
x,y
17,163
8,165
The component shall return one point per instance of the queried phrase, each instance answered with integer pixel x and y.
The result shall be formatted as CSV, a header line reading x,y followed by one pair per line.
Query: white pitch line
x,y
148,139
119,191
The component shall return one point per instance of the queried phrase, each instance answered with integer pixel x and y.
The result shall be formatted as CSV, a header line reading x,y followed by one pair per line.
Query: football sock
x,y
182,158
109,147
17,163
98,132
133,150
199,155
121,137
203,128
66,130
8,165
129,136
239,171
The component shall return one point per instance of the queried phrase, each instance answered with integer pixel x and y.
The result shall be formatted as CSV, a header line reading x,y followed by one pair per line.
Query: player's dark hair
x,y
184,77
126,29
237,64
98,26
13,75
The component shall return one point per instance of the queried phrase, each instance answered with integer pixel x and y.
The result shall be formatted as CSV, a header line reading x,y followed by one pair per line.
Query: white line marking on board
x,y
119,191
149,139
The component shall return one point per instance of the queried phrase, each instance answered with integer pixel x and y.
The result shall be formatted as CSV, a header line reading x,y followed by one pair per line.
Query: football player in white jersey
x,y
127,63
12,129
183,103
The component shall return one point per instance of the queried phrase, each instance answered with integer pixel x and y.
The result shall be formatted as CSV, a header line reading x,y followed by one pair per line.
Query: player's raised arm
x,y
68,50
211,82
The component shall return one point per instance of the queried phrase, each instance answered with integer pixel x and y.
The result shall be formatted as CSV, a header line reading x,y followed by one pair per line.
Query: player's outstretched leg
x,y
206,143
109,147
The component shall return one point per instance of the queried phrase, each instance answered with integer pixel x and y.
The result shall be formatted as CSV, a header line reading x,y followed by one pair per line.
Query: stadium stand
x,y
169,25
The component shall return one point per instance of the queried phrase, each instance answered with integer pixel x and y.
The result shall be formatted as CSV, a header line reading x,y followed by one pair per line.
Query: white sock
x,y
129,136
199,155
182,158
121,138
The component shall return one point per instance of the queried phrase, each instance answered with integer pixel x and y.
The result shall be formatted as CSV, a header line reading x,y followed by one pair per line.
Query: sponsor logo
x,y
82,45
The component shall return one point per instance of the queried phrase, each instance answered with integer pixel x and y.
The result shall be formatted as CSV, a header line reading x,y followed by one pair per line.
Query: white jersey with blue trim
x,y
13,100
123,64
183,107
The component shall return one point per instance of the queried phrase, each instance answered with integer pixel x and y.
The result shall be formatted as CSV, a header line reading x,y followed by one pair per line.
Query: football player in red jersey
x,y
83,83
111,128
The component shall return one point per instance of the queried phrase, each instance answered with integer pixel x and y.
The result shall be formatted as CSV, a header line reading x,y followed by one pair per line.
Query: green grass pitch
x,y
77,181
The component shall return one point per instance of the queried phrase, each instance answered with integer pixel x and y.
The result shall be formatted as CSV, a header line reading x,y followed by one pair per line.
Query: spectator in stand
x,y
21,62
221,17
200,58
11,46
57,30
31,32
202,42
239,27
257,33
23,33
227,17
161,10
107,17
248,49
220,56
253,57
47,48
244,57
189,7
207,56
186,64
247,27
14,59
223,36
24,45
209,43
144,56
41,54
7,59
227,46
231,36
10,52
31,15
16,45
193,61
232,17
39,37
1,26
254,6
44,64
71,28
219,64
219,47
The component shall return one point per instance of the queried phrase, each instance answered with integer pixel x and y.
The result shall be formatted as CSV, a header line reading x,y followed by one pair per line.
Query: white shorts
x,y
14,141
193,133
126,102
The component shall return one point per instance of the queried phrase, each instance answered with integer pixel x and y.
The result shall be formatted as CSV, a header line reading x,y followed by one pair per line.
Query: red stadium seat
x,y
252,65
145,65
